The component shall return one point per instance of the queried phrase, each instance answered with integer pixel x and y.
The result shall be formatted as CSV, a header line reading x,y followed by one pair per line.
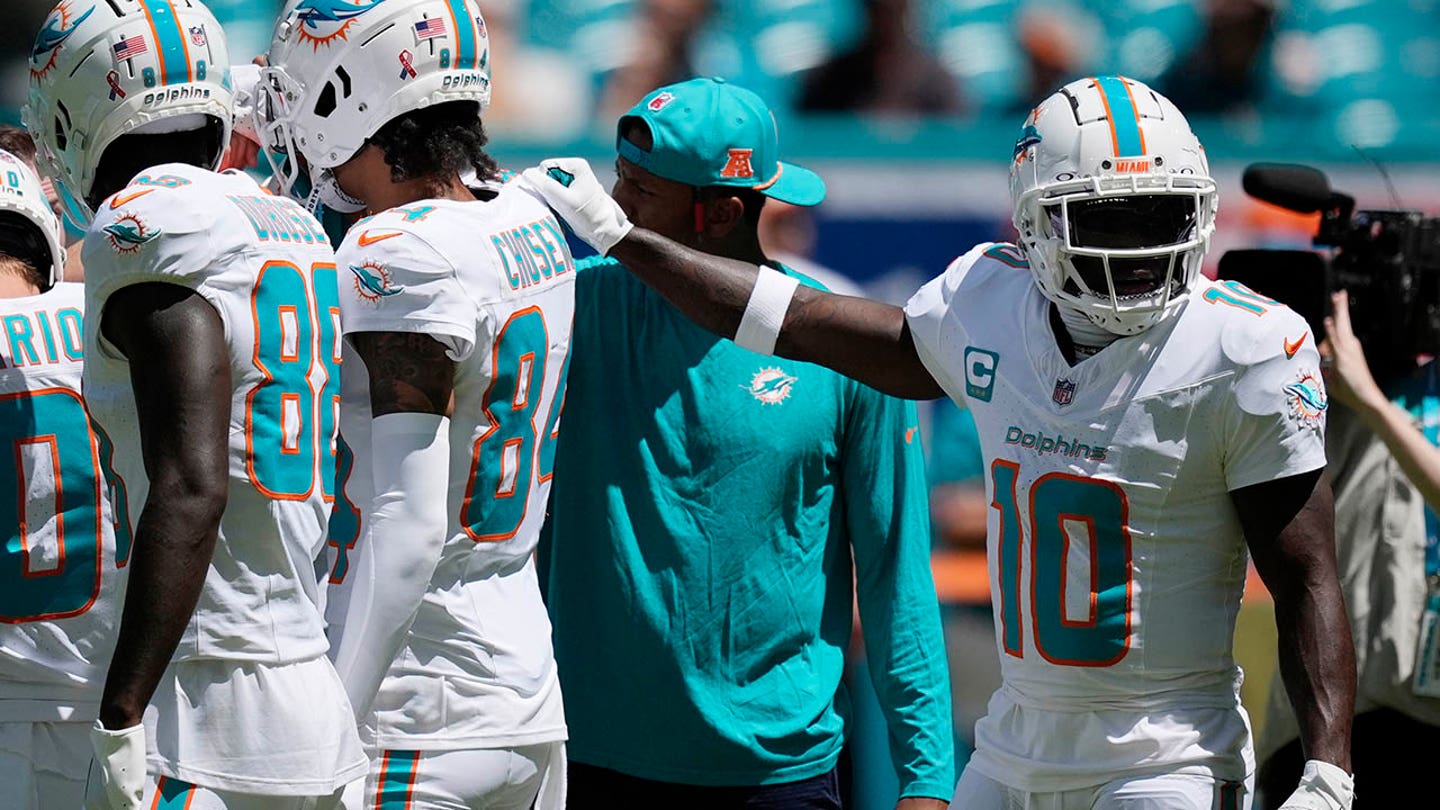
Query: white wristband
x,y
765,313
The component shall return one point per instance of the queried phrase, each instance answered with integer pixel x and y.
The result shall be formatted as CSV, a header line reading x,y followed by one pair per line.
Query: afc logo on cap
x,y
738,166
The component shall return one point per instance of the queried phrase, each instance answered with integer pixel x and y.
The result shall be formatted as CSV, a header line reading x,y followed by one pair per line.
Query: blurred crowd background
x,y
909,109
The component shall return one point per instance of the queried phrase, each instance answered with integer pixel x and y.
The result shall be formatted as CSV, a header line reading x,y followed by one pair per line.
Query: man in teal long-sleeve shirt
x,y
712,508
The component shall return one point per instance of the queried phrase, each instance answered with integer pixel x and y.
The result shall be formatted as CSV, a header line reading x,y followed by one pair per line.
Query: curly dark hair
x,y
441,140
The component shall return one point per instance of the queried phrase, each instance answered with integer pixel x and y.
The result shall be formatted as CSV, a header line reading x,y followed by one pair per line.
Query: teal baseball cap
x,y
708,132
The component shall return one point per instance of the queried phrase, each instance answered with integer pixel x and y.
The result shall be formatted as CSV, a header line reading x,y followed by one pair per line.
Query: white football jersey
x,y
266,267
494,281
62,513
1116,557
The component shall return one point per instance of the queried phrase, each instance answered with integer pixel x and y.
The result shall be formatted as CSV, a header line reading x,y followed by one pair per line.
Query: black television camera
x,y
1388,260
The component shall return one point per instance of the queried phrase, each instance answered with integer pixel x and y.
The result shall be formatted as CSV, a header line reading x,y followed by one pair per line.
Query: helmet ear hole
x,y
62,127
325,104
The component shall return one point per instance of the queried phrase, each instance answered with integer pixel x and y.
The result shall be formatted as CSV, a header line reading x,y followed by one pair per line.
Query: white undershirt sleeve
x,y
408,524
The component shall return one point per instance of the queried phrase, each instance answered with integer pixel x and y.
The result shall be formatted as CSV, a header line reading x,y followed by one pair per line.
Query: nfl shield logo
x,y
1064,392
197,35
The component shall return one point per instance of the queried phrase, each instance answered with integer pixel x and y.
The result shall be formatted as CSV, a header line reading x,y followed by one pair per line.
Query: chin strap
x,y
326,191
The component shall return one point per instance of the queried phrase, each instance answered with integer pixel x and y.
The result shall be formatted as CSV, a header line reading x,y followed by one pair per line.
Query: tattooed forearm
x,y
409,373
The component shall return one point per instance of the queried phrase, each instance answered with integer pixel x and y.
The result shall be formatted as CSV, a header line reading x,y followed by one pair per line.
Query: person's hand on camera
x,y
1347,375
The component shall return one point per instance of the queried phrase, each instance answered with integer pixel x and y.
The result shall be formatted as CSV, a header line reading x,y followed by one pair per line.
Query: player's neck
x,y
739,245
15,280
387,195
1078,336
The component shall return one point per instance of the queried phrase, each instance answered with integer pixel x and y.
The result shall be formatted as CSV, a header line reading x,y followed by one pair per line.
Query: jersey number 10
x,y
1064,511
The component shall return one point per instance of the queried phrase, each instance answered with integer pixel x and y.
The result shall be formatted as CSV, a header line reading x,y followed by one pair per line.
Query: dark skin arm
x,y
175,342
1290,527
866,340
409,373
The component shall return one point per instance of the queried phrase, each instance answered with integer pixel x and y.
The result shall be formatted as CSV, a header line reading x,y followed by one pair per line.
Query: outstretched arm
x,y
411,384
866,340
1290,527
862,339
175,342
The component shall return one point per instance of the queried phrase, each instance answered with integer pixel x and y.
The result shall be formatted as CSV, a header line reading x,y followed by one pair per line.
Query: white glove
x,y
1322,787
120,758
246,81
570,187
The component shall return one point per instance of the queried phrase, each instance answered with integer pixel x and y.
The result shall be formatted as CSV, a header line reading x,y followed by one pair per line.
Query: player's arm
x,y
1289,526
866,340
884,497
175,343
411,397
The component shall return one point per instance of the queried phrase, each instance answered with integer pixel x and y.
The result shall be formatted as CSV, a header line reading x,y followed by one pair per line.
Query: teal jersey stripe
x,y
397,780
1124,118
174,57
1008,256
174,794
464,35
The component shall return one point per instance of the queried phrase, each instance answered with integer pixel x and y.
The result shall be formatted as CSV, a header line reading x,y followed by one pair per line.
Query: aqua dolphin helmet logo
x,y
1029,136
324,21
58,27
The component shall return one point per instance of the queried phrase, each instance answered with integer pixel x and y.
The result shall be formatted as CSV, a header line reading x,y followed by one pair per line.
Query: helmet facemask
x,y
1116,223
276,98
1122,256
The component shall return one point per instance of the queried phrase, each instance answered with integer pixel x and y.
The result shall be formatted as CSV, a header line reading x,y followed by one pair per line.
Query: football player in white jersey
x,y
1141,427
62,514
456,307
211,361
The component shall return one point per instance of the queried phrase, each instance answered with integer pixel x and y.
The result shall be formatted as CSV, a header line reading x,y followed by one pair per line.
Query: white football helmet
x,y
101,69
20,192
341,69
1113,201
